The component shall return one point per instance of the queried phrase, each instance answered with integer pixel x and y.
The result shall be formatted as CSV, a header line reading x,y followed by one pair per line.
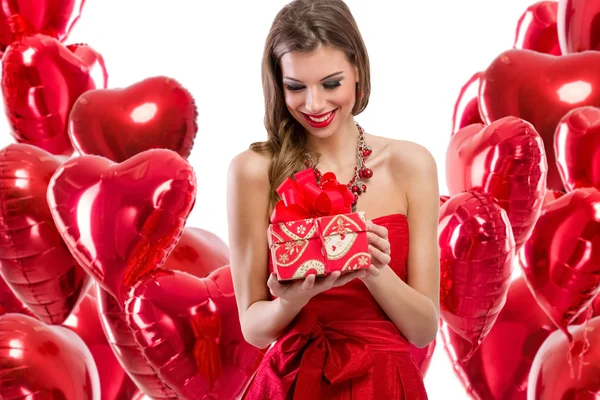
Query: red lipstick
x,y
321,124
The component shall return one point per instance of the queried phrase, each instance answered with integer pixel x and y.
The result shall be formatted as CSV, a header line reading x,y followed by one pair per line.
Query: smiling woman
x,y
338,337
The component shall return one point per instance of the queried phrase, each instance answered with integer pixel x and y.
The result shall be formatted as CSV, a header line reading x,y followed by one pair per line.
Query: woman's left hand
x,y
379,248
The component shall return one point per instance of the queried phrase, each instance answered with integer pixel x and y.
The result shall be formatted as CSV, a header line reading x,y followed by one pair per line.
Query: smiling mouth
x,y
320,117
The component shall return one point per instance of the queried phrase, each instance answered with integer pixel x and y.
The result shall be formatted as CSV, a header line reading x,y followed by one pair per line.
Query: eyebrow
x,y
327,77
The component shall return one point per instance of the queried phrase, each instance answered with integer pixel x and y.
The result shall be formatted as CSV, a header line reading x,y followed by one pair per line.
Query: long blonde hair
x,y
303,25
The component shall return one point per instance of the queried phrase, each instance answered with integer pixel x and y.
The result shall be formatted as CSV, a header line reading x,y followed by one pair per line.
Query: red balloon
x,y
466,108
561,260
536,29
422,356
207,355
93,61
198,252
55,18
121,221
39,361
554,375
121,340
552,195
476,249
444,198
34,261
115,384
541,89
41,79
500,367
577,146
9,303
505,159
578,25
119,123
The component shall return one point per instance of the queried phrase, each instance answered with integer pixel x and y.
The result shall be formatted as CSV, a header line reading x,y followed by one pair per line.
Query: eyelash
x,y
328,86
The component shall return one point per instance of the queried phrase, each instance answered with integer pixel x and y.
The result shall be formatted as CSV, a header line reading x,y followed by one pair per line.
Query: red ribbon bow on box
x,y
303,198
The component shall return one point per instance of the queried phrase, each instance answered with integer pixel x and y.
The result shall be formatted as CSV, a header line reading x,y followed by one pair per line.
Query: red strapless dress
x,y
342,346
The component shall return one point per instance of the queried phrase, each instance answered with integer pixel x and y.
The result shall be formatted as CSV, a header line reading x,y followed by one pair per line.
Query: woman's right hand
x,y
298,293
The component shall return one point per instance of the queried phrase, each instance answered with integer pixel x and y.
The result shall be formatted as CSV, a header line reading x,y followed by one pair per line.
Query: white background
x,y
421,53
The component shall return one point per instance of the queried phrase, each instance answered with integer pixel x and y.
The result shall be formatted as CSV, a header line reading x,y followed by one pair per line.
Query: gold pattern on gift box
x,y
307,266
287,253
278,239
337,246
297,229
341,224
358,260
340,236
361,216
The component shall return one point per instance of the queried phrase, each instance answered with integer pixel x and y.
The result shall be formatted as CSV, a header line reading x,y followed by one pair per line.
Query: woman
x,y
338,337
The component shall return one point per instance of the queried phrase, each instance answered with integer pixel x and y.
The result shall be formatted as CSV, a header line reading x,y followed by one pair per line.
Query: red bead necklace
x,y
361,172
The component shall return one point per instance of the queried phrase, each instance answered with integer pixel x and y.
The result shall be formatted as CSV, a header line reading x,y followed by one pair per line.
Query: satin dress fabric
x,y
342,345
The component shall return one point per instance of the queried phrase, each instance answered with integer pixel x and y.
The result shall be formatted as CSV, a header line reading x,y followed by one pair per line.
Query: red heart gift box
x,y
313,229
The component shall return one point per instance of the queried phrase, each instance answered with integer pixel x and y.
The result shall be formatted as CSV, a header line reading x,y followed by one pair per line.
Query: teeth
x,y
322,118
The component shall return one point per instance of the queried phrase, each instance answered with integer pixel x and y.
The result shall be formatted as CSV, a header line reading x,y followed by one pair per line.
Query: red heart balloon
x,y
561,260
34,261
552,195
555,375
9,303
207,356
476,249
541,89
536,29
121,340
39,361
578,25
466,108
41,79
500,367
505,159
120,221
52,17
577,146
197,252
119,123
115,384
93,61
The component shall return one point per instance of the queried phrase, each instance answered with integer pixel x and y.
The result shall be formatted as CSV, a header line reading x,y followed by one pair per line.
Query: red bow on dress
x,y
303,198
310,352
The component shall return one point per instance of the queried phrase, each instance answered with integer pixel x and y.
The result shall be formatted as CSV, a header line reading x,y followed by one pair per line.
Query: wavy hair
x,y
303,25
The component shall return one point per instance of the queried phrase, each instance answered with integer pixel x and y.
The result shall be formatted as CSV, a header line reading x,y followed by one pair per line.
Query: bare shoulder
x,y
248,189
416,167
251,168
411,157
409,161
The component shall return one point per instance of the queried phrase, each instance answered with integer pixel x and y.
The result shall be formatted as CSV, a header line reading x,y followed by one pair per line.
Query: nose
x,y
315,101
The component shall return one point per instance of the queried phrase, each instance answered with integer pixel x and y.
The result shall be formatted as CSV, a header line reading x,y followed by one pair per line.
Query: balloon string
x,y
570,360
571,346
586,341
584,348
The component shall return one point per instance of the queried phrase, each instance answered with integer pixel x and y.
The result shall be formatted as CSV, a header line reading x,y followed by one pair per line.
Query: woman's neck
x,y
337,151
